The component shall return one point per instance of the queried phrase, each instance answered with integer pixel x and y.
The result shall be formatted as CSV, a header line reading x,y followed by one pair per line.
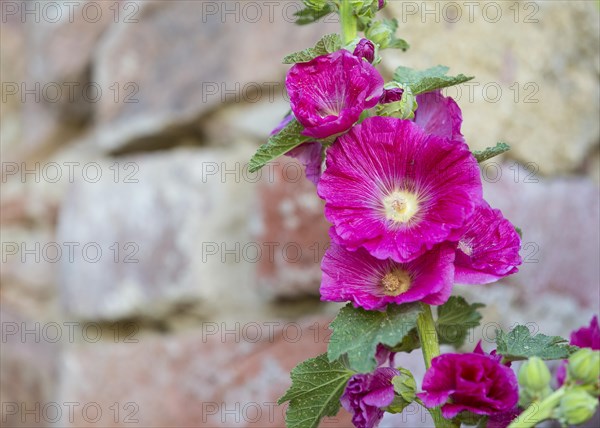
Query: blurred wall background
x,y
148,279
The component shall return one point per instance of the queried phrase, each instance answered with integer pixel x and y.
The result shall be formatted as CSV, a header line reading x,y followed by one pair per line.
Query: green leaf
x,y
428,80
328,44
405,389
410,342
308,15
357,332
399,44
519,344
278,144
455,318
490,152
317,385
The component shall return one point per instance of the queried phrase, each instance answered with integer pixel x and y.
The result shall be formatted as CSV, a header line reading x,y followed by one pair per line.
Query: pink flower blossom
x,y
471,382
488,248
372,284
396,191
329,93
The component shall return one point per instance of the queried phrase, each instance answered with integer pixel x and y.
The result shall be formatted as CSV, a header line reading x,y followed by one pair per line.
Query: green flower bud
x,y
534,376
577,406
584,366
381,33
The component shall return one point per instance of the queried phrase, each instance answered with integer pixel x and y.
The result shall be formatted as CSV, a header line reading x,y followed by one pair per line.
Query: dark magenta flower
x,y
367,394
396,191
587,337
439,115
488,248
471,382
308,154
329,93
372,284
365,49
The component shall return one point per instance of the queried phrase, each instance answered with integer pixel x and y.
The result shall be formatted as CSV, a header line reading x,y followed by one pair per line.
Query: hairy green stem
x,y
538,411
348,21
431,349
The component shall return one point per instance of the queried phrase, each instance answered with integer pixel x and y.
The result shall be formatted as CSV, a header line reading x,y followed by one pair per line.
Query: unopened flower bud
x,y
584,365
380,33
365,49
534,376
577,406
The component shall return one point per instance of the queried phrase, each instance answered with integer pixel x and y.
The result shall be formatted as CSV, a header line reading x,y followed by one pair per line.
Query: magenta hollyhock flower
x,y
365,49
366,394
587,337
471,382
372,284
393,189
488,248
308,154
439,115
329,93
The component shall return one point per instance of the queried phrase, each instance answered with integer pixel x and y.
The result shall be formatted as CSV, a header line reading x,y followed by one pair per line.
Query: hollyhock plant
x,y
396,191
329,93
367,394
488,248
403,195
372,284
439,115
469,382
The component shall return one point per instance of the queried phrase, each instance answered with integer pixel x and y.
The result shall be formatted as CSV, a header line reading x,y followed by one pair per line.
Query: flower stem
x,y
431,349
348,21
538,411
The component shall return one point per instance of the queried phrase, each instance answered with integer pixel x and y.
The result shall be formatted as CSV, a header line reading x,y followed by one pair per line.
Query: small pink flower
x,y
367,394
488,248
329,93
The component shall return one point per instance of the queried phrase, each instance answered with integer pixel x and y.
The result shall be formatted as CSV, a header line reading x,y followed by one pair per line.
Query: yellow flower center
x,y
465,247
396,282
400,206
